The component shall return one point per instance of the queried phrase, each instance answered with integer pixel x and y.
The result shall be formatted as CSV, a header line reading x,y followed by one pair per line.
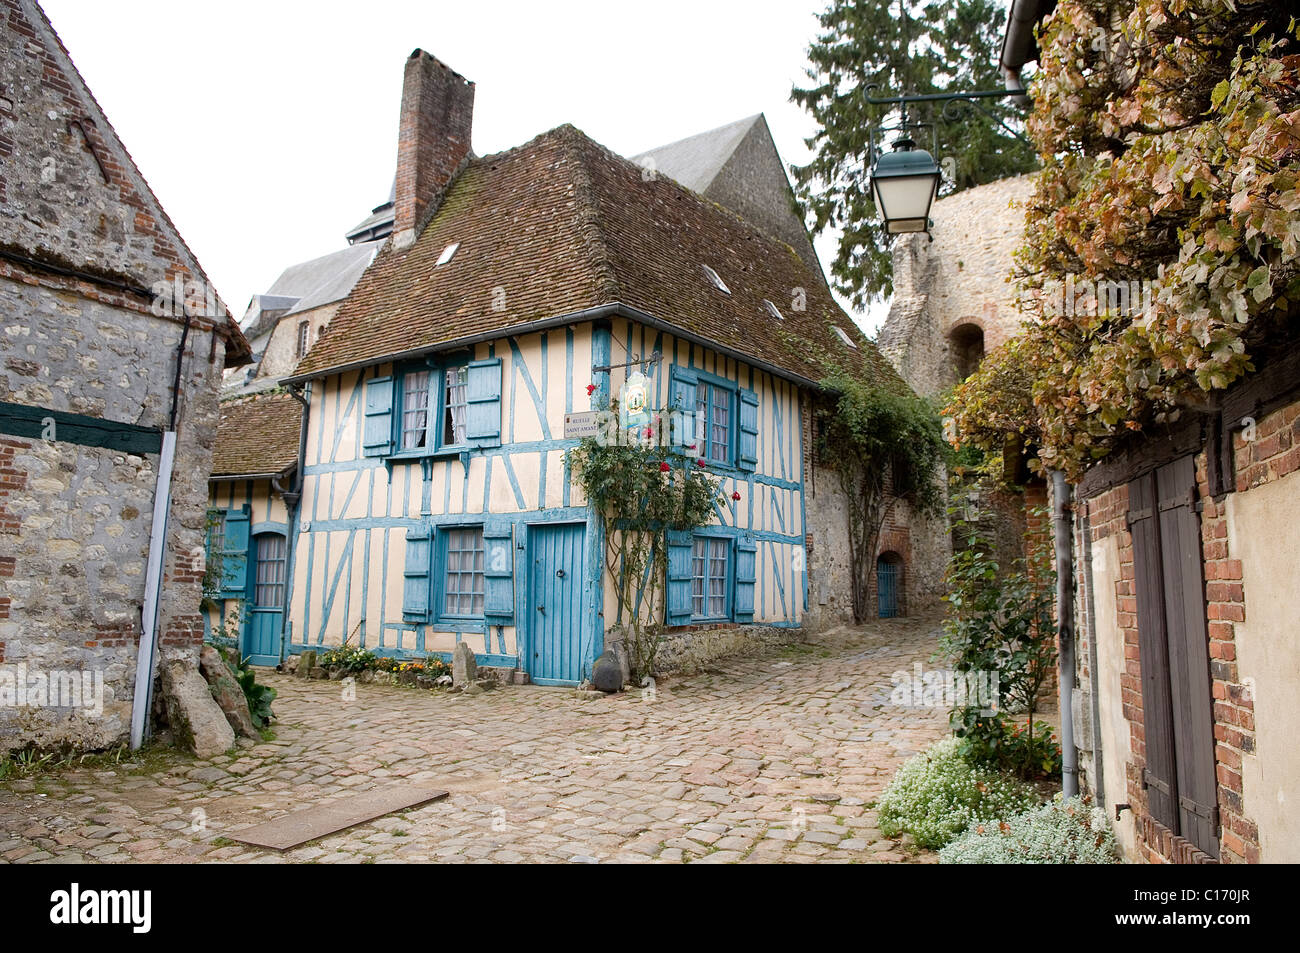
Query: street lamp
x,y
905,181
903,186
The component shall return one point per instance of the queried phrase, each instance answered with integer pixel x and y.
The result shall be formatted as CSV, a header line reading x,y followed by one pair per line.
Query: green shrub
x,y
1060,832
937,795
259,697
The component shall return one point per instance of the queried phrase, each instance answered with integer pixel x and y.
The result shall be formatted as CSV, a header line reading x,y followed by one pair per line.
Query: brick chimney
x,y
433,139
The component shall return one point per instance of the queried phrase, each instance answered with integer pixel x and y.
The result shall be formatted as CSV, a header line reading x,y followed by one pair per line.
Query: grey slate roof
x,y
307,285
378,224
696,160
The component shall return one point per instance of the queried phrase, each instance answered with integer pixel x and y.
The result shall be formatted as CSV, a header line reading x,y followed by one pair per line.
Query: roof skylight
x,y
843,337
717,282
447,253
773,310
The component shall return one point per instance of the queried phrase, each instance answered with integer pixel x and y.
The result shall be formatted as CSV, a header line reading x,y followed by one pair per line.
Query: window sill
x,y
414,456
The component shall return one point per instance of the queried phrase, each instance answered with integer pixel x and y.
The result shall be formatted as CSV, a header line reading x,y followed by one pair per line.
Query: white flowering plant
x,y
937,795
1062,831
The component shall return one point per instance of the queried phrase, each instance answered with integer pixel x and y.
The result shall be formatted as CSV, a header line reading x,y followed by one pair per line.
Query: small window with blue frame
x,y
710,575
713,414
463,579
433,409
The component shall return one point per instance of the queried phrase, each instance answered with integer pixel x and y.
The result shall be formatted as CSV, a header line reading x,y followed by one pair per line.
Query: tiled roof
x,y
257,435
562,225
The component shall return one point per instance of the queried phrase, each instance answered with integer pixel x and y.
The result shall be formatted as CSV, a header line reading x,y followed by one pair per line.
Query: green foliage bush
x,y
937,795
1000,621
259,697
1060,832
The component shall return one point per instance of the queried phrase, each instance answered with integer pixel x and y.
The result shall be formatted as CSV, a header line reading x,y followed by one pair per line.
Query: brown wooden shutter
x,y
1153,648
1189,658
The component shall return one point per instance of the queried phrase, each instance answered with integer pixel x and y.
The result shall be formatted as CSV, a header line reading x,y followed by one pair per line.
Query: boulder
x,y
290,665
226,692
607,674
307,662
196,720
464,669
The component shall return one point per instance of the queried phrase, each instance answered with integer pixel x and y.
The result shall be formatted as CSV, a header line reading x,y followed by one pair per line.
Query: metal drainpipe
x,y
1065,630
1098,782
292,501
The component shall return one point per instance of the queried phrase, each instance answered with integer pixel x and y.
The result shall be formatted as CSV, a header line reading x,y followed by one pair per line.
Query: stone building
x,y
953,299
114,344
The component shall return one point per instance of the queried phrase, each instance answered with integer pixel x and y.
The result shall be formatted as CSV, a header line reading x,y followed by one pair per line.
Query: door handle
x,y
542,609
559,573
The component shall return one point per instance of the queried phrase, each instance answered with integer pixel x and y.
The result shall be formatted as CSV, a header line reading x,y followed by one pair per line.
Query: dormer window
x,y
447,253
773,310
715,280
843,337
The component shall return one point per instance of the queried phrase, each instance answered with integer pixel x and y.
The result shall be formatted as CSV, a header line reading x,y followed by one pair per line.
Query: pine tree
x,y
899,46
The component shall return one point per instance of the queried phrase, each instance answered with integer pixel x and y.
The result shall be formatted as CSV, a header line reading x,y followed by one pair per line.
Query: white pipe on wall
x,y
152,590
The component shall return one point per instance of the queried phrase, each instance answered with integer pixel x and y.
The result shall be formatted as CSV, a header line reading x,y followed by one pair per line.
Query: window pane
x,y
719,442
415,410
463,582
454,414
268,589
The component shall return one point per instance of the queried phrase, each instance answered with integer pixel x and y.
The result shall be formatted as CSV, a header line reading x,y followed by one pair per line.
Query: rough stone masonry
x,y
83,245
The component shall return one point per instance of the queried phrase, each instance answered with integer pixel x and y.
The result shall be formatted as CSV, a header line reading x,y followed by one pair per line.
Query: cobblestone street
x,y
773,759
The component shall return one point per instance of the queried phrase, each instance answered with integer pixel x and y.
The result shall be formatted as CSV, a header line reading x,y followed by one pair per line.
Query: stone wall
x,y
690,649
84,244
923,543
75,521
956,279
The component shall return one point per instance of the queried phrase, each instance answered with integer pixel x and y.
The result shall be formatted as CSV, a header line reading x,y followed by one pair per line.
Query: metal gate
x,y
887,580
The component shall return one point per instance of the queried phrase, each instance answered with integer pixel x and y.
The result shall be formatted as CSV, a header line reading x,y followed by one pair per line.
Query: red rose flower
x,y
736,496
664,467
591,389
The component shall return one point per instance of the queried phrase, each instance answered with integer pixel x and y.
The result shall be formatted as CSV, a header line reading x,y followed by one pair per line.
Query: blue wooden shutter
x,y
483,399
746,565
679,576
377,440
498,572
681,405
419,563
234,555
747,447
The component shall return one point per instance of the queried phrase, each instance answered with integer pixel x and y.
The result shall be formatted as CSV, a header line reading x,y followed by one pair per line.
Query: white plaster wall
x,y
1262,533
1116,749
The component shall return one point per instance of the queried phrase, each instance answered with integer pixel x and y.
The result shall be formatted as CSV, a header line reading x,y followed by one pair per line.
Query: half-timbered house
x,y
435,503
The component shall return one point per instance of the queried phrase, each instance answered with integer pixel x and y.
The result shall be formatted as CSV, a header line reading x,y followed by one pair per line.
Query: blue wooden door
x,y
887,587
266,613
556,562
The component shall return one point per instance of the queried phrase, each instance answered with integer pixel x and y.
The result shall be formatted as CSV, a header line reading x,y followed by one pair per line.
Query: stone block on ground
x,y
196,720
464,669
306,662
226,692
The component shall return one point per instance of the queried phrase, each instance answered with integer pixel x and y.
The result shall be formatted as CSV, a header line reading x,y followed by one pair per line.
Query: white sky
x,y
268,128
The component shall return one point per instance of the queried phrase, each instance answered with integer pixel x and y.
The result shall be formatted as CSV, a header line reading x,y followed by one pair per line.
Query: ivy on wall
x,y
1162,239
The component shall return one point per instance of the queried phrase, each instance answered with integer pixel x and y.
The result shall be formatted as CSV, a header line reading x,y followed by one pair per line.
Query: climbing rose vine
x,y
1169,132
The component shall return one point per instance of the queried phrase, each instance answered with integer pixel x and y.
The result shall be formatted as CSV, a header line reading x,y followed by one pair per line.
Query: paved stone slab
x,y
284,833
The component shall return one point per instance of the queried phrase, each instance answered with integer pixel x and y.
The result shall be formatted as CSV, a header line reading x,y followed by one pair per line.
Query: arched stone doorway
x,y
967,345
